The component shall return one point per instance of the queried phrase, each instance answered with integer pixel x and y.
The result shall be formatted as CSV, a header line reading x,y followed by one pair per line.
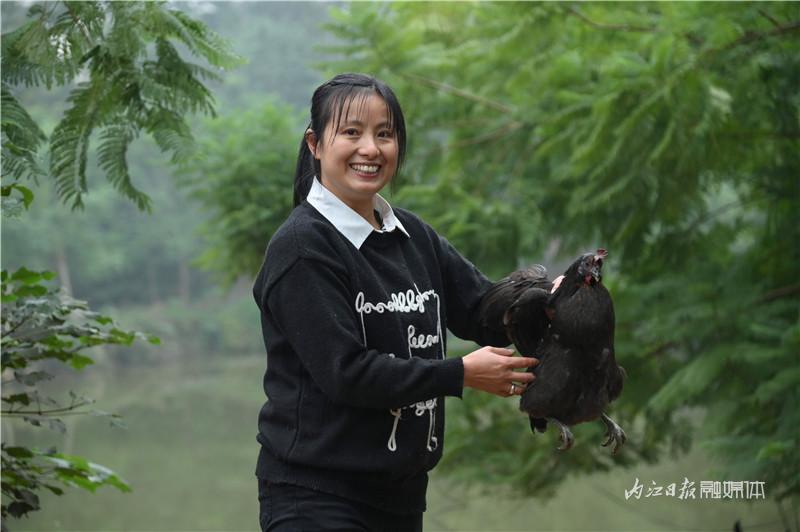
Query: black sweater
x,y
356,369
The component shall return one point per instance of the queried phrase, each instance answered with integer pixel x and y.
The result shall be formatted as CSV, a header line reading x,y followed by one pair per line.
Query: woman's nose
x,y
367,147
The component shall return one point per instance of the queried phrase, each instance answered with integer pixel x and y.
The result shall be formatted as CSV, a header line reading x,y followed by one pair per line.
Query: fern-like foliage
x,y
114,142
22,138
69,144
123,84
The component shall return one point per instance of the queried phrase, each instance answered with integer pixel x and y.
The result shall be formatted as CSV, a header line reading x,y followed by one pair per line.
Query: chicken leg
x,y
566,434
614,433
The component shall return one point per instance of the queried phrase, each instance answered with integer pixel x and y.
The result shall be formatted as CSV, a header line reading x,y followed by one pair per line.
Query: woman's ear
x,y
311,141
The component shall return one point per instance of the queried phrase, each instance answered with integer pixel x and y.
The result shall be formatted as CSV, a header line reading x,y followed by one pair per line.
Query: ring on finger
x,y
513,389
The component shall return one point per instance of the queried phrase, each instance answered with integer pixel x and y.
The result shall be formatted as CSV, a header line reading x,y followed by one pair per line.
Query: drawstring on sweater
x,y
421,407
393,436
430,406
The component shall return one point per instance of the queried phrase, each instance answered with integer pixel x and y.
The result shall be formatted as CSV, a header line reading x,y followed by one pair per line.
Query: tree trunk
x,y
62,265
184,281
152,284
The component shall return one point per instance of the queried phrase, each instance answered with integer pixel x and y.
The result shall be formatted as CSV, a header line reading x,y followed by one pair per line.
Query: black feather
x,y
515,305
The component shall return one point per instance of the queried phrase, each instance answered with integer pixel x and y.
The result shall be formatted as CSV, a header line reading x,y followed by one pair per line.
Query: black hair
x,y
332,99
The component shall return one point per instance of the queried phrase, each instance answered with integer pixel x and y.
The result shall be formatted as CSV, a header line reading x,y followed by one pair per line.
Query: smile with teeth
x,y
365,168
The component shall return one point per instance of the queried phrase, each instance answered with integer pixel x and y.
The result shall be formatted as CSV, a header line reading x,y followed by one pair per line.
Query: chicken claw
x,y
566,434
614,433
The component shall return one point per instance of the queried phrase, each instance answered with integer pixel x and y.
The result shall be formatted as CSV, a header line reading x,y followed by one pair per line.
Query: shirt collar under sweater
x,y
347,221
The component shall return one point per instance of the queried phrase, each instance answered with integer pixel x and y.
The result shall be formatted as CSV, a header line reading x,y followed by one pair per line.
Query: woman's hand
x,y
491,369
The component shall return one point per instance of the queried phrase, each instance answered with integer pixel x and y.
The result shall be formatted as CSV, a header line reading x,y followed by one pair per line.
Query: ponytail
x,y
307,168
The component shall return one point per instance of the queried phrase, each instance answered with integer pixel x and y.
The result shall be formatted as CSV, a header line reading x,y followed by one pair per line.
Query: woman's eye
x,y
351,131
386,134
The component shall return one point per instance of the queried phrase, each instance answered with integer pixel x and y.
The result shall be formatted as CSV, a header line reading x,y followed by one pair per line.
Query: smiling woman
x,y
355,297
360,156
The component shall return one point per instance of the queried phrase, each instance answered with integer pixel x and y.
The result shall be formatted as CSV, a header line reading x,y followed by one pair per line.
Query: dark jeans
x,y
288,508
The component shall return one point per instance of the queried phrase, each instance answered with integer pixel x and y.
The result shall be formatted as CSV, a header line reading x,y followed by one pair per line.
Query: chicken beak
x,y
595,272
597,264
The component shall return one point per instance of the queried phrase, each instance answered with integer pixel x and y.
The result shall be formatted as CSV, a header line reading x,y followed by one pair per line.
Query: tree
x,y
667,133
124,61
42,325
129,77
109,239
243,177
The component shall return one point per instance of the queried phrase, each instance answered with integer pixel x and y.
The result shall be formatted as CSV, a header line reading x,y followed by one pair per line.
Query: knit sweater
x,y
356,366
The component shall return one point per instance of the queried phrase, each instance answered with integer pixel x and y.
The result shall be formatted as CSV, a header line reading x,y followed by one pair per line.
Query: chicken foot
x,y
614,433
566,434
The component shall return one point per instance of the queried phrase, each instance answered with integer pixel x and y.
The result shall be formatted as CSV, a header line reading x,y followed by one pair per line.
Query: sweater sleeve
x,y
465,286
310,305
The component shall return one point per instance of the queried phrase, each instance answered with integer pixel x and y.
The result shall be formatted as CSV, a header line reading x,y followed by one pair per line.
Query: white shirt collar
x,y
347,221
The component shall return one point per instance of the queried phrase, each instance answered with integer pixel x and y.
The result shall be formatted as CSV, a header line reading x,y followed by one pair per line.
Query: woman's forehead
x,y
364,107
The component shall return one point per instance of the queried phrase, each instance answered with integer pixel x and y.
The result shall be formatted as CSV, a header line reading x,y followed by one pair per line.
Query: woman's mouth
x,y
366,170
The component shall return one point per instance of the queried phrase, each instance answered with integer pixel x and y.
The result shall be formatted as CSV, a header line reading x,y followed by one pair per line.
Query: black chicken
x,y
571,332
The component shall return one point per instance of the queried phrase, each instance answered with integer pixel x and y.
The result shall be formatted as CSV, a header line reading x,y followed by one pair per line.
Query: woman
x,y
355,298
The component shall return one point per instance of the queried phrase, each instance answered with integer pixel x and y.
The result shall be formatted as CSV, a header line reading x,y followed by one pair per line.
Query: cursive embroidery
x,y
421,341
406,301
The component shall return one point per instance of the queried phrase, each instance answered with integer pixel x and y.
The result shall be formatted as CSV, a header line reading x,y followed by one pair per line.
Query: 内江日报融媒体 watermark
x,y
704,489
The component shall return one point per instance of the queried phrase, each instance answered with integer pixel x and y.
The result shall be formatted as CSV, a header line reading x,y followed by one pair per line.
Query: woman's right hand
x,y
491,369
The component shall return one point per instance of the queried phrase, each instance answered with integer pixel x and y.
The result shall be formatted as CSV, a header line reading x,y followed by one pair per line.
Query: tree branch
x,y
66,410
779,293
458,92
80,24
751,36
495,134
20,413
610,27
10,331
770,18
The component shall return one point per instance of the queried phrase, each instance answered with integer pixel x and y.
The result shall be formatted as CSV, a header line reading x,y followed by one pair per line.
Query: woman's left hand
x,y
491,369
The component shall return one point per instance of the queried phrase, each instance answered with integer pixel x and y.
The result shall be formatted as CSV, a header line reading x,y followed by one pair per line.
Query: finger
x,y
508,389
502,351
522,377
556,283
523,362
514,389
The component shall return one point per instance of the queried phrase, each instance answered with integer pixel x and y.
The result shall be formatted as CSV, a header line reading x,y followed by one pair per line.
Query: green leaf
x,y
78,471
26,276
30,291
80,361
104,320
18,452
775,449
21,398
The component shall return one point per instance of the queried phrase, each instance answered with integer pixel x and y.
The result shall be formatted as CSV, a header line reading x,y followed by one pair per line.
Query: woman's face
x,y
359,157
